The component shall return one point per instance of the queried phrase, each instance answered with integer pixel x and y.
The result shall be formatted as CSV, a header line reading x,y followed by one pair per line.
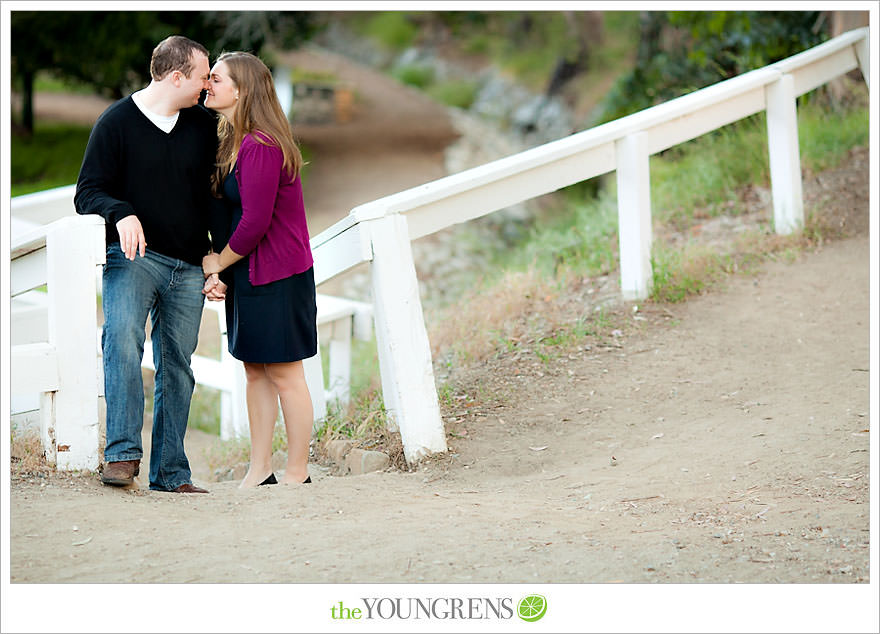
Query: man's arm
x,y
98,180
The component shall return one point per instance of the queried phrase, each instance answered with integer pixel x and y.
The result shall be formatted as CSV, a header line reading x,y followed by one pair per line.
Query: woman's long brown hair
x,y
258,110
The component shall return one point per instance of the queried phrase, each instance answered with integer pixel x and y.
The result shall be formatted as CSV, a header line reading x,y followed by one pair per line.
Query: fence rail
x,y
381,231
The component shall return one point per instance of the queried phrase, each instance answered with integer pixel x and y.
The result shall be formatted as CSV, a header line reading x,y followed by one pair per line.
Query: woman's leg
x,y
296,405
262,405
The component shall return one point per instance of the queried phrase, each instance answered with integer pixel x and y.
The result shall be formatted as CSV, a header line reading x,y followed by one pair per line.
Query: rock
x,y
360,461
337,450
222,475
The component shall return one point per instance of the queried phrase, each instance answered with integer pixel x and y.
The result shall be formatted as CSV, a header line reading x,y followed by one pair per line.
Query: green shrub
x,y
414,75
393,29
459,94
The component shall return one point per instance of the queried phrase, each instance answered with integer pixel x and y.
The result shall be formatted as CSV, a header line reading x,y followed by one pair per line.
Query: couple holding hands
x,y
201,201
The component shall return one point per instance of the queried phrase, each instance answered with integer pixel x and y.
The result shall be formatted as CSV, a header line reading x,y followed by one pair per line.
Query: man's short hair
x,y
174,53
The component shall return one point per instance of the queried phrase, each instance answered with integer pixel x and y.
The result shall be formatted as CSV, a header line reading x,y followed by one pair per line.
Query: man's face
x,y
191,87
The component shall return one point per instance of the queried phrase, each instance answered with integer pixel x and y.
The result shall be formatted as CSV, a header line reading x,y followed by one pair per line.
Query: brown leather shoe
x,y
188,488
122,473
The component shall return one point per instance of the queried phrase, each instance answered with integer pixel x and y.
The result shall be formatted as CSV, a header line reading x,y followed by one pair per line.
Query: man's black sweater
x,y
130,167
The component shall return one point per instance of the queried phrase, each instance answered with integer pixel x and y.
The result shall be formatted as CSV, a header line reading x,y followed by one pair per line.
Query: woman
x,y
266,263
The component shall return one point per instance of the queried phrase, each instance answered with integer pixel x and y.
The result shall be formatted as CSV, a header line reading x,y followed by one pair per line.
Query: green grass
x,y
459,94
707,171
364,365
300,75
365,414
825,135
577,233
204,411
50,158
46,82
414,75
392,29
577,236
680,273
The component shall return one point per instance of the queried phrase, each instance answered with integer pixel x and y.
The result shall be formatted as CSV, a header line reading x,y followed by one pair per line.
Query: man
x,y
146,170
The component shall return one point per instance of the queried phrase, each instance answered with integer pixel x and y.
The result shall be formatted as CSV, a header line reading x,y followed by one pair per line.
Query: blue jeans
x,y
170,291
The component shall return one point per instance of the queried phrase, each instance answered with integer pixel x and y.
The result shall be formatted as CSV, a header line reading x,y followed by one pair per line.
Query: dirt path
x,y
727,443
741,445
394,140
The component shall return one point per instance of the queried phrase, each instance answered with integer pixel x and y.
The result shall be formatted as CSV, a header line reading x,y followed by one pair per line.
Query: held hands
x,y
131,236
214,289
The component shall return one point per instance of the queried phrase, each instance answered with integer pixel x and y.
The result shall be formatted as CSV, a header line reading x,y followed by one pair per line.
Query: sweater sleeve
x,y
259,174
99,176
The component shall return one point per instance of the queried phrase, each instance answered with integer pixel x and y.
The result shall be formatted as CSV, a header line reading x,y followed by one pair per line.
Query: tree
x,y
683,51
585,31
110,50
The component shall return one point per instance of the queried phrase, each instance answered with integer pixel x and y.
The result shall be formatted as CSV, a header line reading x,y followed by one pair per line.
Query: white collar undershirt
x,y
166,124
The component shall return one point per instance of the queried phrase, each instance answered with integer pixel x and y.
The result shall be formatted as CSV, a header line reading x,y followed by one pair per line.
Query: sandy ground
x,y
739,431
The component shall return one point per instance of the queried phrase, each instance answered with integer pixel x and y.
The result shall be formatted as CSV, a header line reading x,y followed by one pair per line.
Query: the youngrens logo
x,y
530,608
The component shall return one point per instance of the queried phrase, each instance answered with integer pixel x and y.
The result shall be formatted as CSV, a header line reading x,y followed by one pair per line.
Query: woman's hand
x,y
211,264
214,289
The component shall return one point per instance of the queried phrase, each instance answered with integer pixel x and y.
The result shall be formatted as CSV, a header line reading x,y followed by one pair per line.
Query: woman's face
x,y
222,93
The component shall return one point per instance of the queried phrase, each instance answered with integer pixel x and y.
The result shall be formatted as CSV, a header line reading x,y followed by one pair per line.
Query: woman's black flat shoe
x,y
308,480
270,480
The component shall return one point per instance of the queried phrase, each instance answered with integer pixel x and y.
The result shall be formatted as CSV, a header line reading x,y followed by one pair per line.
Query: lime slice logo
x,y
532,608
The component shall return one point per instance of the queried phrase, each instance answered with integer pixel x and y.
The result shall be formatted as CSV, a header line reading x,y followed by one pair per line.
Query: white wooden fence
x,y
64,369
380,232
43,325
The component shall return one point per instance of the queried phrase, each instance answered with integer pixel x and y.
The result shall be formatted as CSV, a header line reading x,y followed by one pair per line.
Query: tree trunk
x,y
27,101
650,29
841,22
586,29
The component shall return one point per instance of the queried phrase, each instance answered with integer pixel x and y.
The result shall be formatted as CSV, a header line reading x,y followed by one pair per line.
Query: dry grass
x,y
472,328
26,456
363,421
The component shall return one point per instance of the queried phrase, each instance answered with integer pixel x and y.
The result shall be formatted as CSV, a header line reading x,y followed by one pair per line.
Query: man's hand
x,y
131,236
214,289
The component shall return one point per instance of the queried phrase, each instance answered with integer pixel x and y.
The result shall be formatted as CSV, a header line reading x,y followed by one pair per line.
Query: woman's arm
x,y
259,168
217,262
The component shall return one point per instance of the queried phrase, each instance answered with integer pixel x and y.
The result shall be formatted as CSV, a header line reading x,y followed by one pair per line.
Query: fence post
x,y
314,373
233,404
785,160
75,247
864,60
408,386
339,384
634,216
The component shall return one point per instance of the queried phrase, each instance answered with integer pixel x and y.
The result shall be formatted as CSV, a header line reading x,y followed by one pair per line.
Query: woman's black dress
x,y
269,323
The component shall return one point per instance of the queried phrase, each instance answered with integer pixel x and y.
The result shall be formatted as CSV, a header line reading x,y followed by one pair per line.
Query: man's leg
x,y
128,291
176,319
